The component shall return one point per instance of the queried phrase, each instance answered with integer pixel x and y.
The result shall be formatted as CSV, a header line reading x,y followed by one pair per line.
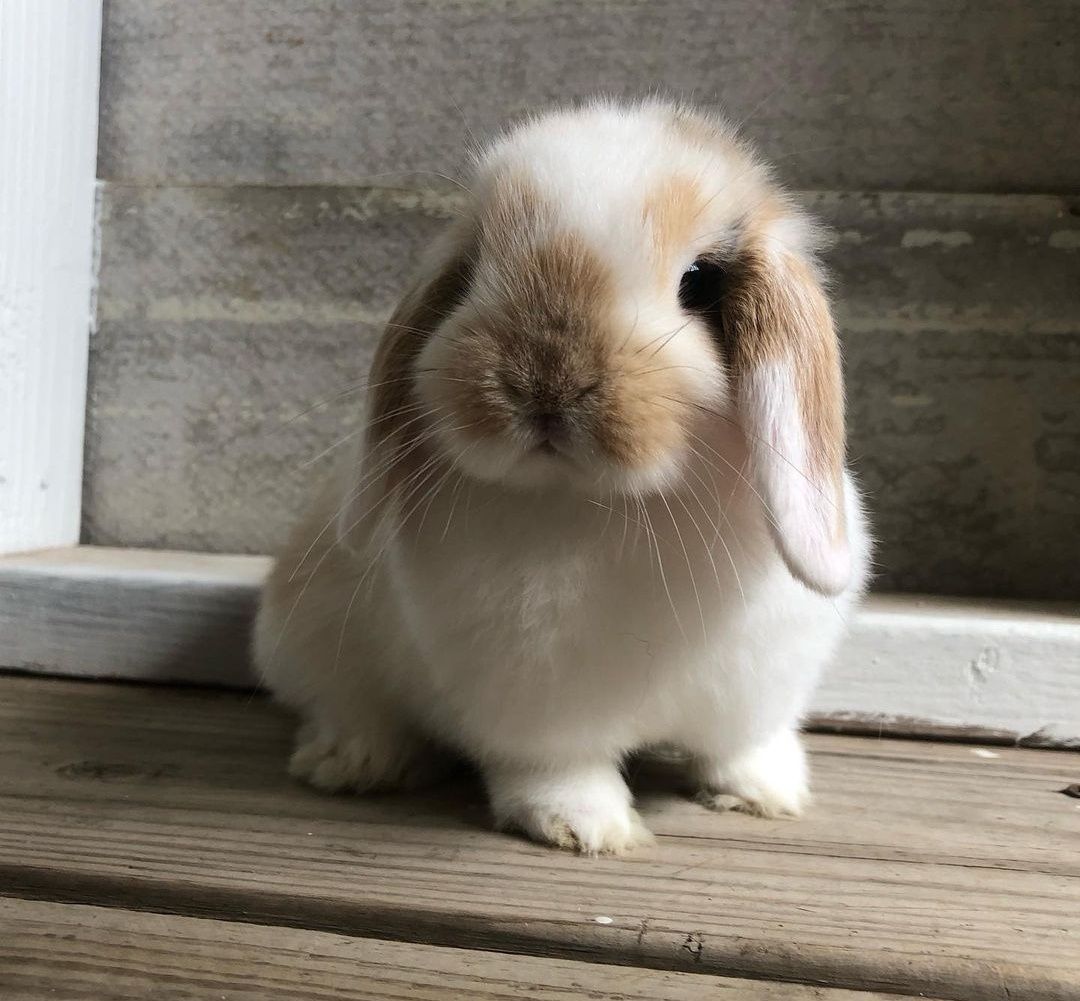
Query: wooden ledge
x,y
990,671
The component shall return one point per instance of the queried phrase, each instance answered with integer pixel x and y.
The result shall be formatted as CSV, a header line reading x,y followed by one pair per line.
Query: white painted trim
x,y
49,68
922,666
1009,669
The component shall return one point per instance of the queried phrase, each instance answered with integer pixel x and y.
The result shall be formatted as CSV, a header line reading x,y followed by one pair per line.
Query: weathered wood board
x,y
1004,671
129,613
942,870
226,312
975,95
50,951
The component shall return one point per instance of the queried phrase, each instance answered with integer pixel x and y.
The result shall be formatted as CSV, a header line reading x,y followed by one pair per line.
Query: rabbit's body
x,y
547,629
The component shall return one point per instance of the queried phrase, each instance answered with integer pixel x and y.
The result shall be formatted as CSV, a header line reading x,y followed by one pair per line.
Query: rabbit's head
x,y
626,279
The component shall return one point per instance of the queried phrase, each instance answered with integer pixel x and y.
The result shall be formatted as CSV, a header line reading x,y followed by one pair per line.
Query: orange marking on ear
x,y
776,311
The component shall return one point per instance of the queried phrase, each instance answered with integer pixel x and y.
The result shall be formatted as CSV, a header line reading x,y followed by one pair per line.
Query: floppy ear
x,y
393,419
786,360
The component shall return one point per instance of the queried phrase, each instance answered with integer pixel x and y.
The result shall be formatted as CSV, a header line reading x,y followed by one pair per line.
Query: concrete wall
x,y
249,253
969,95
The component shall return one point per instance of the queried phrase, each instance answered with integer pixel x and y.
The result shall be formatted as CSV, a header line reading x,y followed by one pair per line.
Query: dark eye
x,y
701,289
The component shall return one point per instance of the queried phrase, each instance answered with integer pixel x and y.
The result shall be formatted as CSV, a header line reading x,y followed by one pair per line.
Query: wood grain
x,y
57,951
128,613
922,868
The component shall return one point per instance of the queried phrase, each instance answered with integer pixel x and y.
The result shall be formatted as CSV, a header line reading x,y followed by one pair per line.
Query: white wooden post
x,y
49,66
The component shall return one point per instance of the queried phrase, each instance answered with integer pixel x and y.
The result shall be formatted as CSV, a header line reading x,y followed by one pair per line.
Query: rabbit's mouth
x,y
571,464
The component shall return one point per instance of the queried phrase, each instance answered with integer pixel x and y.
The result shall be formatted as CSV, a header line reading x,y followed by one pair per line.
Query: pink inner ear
x,y
805,499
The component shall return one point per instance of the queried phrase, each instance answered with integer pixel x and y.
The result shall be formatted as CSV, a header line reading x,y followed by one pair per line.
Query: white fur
x,y
547,632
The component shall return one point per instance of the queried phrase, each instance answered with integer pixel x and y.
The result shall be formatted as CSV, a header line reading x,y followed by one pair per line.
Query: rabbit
x,y
601,502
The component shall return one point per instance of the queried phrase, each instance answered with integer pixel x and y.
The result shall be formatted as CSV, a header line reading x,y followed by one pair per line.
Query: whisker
x,y
431,495
600,504
452,470
720,538
429,467
689,567
398,456
453,501
667,368
667,340
367,479
766,509
727,462
633,327
660,565
419,480
626,526
669,334
768,444
611,511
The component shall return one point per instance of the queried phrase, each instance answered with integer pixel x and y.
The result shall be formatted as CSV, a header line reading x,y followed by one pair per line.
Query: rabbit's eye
x,y
702,287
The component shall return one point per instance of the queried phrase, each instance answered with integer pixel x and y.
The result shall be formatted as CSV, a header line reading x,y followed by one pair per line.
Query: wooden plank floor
x,y
149,837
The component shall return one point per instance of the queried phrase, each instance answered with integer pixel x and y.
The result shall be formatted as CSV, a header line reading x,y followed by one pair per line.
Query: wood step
x,y
105,954
925,869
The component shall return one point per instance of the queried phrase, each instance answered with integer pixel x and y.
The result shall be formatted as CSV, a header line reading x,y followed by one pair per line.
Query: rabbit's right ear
x,y
394,420
791,397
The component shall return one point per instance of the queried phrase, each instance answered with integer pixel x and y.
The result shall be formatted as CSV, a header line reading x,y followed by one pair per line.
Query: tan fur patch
x,y
671,211
540,331
510,214
755,227
646,420
557,335
545,334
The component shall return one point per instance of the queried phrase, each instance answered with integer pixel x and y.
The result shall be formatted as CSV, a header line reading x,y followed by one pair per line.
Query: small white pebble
x,y
982,752
603,919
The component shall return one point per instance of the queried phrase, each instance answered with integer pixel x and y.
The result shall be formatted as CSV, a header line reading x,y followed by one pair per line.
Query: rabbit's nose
x,y
549,423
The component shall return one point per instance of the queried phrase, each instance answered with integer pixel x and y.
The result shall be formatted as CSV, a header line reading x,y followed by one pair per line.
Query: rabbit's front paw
x,y
769,781
374,759
581,828
587,810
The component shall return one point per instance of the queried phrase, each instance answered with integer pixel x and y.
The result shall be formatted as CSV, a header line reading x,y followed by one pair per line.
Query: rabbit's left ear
x,y
440,287
786,361
395,425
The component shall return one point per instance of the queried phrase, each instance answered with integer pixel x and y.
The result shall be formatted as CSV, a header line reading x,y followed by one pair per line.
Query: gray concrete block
x,y
974,95
224,312
961,324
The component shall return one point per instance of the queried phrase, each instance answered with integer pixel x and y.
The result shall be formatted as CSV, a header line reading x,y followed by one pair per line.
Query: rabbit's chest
x,y
617,638
535,616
